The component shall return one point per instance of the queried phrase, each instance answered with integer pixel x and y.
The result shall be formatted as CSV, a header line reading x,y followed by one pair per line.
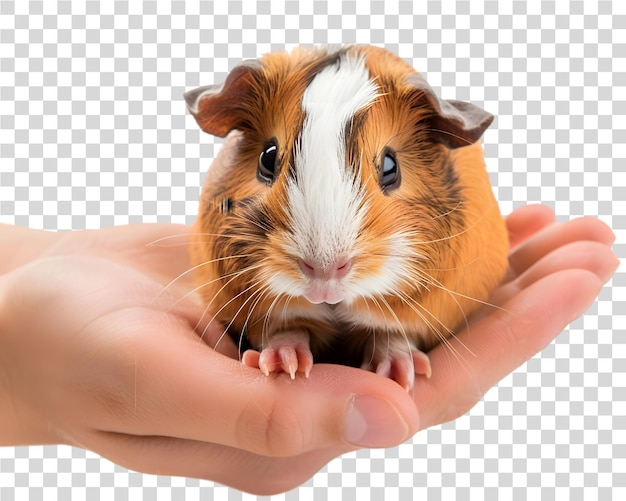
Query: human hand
x,y
96,351
113,363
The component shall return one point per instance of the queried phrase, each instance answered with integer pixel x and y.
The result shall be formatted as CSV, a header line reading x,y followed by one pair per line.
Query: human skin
x,y
101,349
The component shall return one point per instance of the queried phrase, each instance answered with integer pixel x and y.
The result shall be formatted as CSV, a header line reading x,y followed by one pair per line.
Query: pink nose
x,y
336,270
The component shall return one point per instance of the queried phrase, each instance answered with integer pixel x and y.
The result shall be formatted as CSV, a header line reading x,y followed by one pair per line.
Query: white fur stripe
x,y
325,197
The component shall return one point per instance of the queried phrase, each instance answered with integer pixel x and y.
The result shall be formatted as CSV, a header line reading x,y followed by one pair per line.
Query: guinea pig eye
x,y
267,163
390,172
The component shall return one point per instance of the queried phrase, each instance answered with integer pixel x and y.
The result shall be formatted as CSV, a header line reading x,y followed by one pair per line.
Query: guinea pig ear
x,y
218,109
455,123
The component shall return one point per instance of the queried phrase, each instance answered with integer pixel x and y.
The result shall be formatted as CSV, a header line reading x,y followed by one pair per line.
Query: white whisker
x,y
400,325
259,295
266,322
186,236
225,305
233,276
194,268
243,329
373,333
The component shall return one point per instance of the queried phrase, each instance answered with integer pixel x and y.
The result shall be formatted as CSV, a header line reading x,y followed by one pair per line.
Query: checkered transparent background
x,y
94,132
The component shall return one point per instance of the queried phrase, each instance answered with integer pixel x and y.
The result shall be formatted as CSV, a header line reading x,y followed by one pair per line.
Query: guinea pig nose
x,y
336,270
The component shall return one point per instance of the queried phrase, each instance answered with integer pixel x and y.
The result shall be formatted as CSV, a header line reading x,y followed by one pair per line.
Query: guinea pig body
x,y
349,216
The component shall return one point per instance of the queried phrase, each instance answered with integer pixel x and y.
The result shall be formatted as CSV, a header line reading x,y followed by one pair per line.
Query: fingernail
x,y
373,422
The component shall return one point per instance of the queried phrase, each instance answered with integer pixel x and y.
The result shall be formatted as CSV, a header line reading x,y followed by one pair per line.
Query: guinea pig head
x,y
344,180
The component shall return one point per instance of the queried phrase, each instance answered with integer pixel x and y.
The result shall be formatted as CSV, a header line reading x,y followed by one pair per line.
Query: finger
x,y
555,236
184,390
495,345
526,221
591,256
242,470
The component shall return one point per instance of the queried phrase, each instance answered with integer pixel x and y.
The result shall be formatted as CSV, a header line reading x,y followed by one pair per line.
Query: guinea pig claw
x,y
384,368
407,367
290,359
269,361
404,372
421,363
402,368
296,359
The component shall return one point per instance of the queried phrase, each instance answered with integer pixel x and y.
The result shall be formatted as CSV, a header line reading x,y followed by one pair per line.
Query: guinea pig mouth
x,y
323,291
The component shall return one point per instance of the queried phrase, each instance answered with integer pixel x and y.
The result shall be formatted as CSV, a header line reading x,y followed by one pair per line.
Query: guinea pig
x,y
349,216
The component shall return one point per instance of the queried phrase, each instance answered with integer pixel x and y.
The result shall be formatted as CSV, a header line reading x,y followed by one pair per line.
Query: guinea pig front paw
x,y
401,367
287,352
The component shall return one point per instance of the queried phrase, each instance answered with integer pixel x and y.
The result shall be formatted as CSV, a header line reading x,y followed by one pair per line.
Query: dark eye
x,y
267,163
390,172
